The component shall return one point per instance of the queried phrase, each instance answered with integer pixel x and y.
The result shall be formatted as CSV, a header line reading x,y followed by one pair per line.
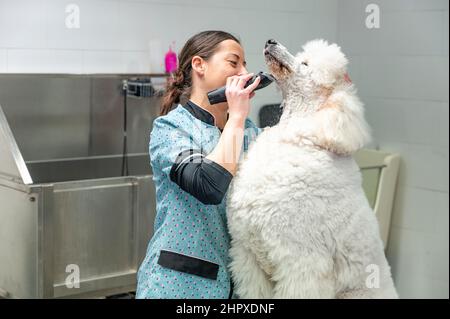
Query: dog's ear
x,y
341,127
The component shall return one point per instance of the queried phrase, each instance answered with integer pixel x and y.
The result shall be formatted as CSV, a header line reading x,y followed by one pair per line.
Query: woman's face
x,y
228,60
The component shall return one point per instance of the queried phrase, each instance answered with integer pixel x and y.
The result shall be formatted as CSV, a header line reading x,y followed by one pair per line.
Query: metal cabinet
x,y
66,211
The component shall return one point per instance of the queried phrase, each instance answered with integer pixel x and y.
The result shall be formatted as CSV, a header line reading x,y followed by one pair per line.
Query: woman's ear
x,y
198,64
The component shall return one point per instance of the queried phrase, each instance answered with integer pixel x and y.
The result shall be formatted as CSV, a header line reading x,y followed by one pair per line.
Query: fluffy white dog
x,y
300,222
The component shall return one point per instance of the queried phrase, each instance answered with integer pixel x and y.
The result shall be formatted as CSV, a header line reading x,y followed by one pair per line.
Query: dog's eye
x,y
304,63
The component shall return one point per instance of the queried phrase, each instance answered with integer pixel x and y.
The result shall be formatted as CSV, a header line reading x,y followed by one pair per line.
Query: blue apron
x,y
187,233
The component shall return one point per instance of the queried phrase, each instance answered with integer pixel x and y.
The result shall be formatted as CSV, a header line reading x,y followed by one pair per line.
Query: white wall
x,y
401,71
114,35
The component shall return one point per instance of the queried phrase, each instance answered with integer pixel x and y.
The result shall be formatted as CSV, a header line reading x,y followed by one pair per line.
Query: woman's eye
x,y
233,62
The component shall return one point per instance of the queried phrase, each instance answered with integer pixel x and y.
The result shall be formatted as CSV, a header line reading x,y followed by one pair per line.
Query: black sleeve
x,y
202,178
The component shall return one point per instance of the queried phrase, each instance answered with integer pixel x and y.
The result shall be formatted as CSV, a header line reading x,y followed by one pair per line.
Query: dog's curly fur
x,y
300,223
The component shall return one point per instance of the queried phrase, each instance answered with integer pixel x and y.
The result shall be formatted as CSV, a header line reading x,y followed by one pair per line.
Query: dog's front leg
x,y
251,282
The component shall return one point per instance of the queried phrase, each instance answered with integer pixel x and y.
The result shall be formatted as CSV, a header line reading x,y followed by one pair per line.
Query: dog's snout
x,y
271,42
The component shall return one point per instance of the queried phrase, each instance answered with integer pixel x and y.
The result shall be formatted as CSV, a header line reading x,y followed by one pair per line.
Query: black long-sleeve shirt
x,y
194,173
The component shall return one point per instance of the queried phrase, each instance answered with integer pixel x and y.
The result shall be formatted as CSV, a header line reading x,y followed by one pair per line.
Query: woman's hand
x,y
228,149
238,97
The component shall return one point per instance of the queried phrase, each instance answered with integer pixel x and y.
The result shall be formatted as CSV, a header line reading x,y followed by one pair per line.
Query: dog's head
x,y
319,100
319,67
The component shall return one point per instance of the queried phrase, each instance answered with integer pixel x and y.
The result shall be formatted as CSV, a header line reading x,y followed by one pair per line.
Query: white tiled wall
x,y
402,74
114,35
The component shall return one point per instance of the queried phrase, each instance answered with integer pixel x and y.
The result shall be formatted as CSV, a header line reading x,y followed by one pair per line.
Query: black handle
x,y
218,95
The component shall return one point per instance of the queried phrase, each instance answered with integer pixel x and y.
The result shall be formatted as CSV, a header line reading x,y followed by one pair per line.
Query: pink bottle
x,y
171,61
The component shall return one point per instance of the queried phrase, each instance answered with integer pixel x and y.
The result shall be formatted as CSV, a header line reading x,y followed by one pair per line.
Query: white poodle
x,y
300,223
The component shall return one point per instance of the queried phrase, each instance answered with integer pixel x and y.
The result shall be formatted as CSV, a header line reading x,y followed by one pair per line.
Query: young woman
x,y
194,150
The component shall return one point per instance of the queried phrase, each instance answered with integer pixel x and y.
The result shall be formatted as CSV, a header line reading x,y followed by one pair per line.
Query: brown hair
x,y
179,86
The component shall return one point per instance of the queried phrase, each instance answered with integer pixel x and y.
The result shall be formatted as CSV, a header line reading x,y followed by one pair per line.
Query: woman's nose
x,y
243,71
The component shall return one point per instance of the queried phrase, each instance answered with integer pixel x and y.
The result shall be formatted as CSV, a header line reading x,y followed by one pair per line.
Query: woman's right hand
x,y
238,97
